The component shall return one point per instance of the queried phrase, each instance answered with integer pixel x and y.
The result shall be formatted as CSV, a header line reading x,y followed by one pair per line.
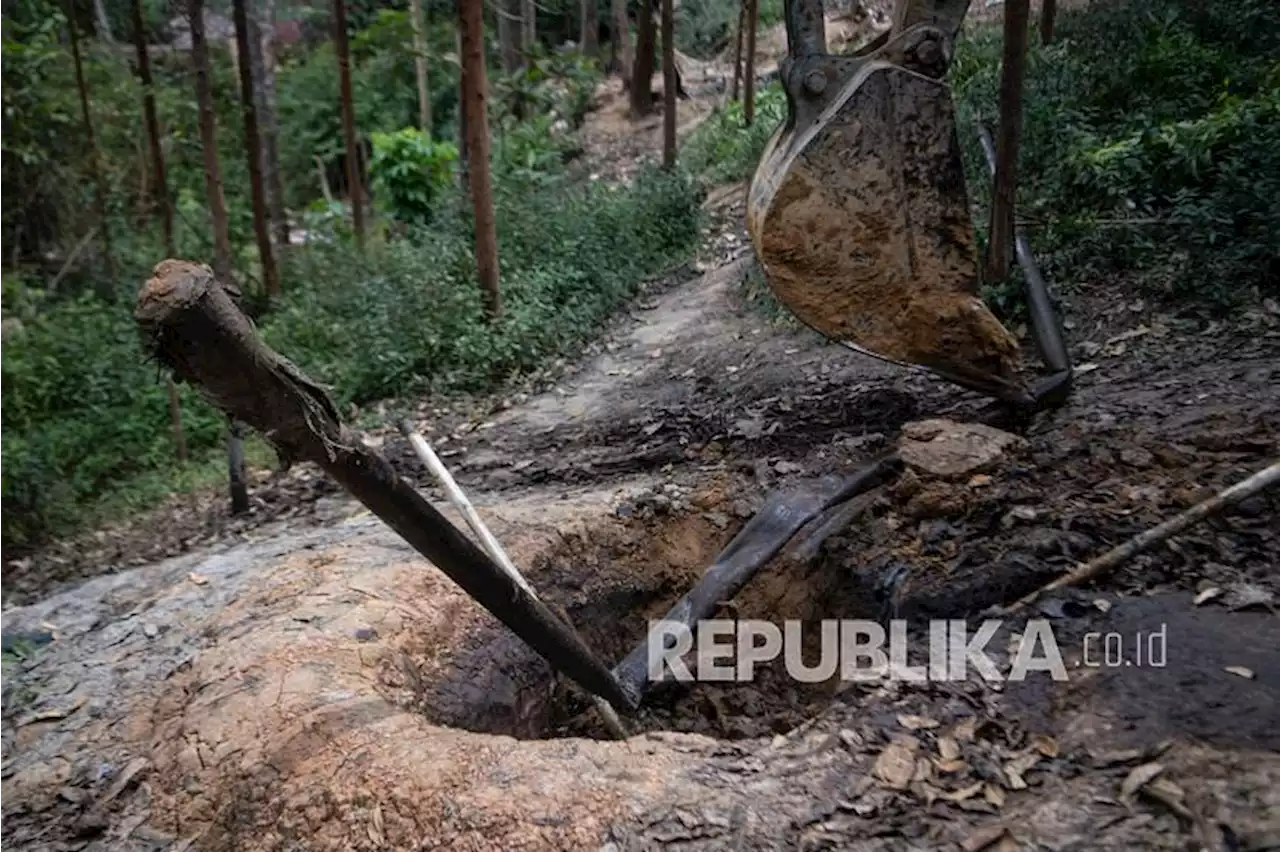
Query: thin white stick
x,y
463,505
493,548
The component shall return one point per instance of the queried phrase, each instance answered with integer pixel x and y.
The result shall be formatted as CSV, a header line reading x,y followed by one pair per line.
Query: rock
x,y
946,448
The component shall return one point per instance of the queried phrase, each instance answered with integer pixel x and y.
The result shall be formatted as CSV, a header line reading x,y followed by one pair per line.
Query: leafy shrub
x,y
409,171
407,318
723,149
1148,142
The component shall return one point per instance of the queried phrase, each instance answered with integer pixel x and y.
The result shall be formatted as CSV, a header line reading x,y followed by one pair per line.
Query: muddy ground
x,y
301,679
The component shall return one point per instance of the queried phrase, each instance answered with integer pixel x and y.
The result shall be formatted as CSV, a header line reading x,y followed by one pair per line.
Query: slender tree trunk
x,y
102,22
209,144
642,69
737,48
95,160
218,218
264,78
245,39
474,95
161,194
668,86
354,189
420,67
1000,234
1048,11
622,40
464,153
528,26
509,34
749,69
590,40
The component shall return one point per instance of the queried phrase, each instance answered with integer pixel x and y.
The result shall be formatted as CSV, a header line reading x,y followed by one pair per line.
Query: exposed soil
x,y
300,679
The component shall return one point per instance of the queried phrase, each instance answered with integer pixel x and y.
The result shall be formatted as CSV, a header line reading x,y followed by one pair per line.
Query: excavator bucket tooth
x,y
860,218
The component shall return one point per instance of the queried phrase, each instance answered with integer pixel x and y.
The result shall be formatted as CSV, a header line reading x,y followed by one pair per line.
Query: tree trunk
x,y
218,218
737,49
245,39
420,67
528,26
1000,234
749,66
464,155
95,161
102,22
1048,11
668,86
474,95
642,69
162,195
622,40
352,158
264,77
590,41
509,34
209,145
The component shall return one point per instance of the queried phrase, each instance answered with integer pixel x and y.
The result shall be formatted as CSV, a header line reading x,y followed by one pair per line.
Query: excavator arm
x,y
859,209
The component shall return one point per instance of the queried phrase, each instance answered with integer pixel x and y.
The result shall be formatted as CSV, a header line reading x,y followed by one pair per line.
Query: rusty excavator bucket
x,y
859,210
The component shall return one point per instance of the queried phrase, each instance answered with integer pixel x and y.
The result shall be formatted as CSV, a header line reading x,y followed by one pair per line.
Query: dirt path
x,y
302,680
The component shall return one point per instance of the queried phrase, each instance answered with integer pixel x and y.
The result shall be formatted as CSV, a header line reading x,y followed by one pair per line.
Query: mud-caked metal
x,y
859,210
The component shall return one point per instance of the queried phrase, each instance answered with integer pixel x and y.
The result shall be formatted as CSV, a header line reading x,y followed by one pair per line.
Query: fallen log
x,y
193,327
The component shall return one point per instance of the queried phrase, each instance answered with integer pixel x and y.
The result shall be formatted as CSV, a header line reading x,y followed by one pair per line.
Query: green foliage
x,y
1148,143
407,318
723,149
706,28
81,410
557,84
409,171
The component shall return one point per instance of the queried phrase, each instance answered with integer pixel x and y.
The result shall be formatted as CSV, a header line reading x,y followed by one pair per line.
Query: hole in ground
x,y
611,580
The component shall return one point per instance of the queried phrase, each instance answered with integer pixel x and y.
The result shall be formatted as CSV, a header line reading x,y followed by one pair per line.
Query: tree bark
x,y
420,67
245,39
95,160
354,190
161,190
209,144
590,41
264,77
668,86
218,218
161,193
1048,11
1000,234
102,22
737,49
749,66
464,154
528,26
474,96
642,69
622,40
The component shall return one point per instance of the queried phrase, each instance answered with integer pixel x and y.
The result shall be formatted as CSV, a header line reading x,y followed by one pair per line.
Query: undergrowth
x,y
1149,146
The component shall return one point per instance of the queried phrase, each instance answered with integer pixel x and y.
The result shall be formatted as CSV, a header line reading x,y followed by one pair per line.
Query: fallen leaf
x,y
983,838
1241,671
963,793
1207,595
980,480
966,729
896,765
1170,795
198,579
993,794
1102,605
1045,744
1103,759
924,770
1081,369
917,723
948,748
952,765
1015,768
1139,777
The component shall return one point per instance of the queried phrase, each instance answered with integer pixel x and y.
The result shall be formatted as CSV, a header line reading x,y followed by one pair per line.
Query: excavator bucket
x,y
859,210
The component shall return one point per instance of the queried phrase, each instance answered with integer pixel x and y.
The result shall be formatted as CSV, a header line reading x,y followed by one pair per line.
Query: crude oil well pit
x,y
612,578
